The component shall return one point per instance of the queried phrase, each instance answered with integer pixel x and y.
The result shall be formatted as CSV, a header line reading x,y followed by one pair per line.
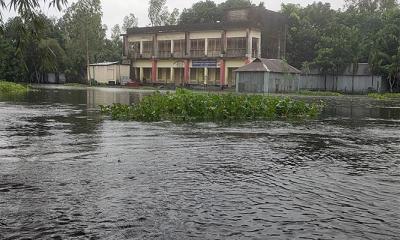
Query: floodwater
x,y
66,172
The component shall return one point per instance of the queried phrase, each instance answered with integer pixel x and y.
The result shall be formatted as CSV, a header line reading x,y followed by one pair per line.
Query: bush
x,y
186,106
10,88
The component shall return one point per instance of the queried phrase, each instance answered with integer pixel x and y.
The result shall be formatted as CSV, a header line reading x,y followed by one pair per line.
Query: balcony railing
x,y
164,54
213,53
236,52
197,53
146,55
178,54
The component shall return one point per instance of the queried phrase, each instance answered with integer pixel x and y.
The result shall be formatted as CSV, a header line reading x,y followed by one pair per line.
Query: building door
x,y
110,75
179,76
146,75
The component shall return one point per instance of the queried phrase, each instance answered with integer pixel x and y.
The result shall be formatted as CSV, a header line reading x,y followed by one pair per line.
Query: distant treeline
x,y
319,37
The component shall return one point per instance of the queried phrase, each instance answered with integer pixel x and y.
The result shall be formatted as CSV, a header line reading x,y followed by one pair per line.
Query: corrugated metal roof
x,y
268,65
105,64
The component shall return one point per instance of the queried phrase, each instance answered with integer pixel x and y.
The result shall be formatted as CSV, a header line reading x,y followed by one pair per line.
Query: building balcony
x,y
178,54
164,54
213,53
197,53
236,53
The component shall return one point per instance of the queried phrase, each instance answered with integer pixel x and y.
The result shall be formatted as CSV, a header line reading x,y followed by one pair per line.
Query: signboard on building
x,y
204,64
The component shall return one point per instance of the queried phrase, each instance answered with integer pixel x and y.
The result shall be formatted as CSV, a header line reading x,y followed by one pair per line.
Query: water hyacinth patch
x,y
384,96
12,89
186,106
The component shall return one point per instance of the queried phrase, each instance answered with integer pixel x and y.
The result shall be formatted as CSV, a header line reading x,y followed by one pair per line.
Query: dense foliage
x,y
331,40
184,106
319,37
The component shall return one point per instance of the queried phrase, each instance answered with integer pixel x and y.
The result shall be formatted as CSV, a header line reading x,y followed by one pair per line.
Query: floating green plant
x,y
186,106
12,89
319,93
384,96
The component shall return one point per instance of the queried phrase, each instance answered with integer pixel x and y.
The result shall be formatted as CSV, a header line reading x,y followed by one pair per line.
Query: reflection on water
x,y
67,172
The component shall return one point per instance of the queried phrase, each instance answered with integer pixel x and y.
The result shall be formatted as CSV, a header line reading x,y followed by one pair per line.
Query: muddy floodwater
x,y
66,172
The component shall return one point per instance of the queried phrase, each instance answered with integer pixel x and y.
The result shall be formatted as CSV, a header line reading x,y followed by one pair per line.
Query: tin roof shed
x,y
268,65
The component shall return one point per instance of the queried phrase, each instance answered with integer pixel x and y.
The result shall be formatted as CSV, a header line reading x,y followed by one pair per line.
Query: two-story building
x,y
191,54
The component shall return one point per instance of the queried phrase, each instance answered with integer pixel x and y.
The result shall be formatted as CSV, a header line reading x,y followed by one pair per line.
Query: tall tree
x,y
130,21
201,12
159,14
84,35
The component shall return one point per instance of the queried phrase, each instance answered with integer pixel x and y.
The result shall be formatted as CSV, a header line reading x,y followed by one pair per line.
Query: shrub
x,y
186,106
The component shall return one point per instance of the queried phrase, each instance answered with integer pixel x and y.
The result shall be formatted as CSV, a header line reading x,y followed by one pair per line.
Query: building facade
x,y
201,54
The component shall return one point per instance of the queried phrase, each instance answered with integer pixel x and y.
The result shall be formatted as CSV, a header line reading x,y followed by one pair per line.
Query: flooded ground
x,y
68,173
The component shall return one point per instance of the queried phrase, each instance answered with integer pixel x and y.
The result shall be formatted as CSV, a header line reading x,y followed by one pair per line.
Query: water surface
x,y
66,172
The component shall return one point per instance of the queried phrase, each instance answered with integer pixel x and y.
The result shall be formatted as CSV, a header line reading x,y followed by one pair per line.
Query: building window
x,y
214,47
179,74
236,47
164,48
213,76
146,75
164,74
179,48
197,75
197,47
134,49
147,49
254,48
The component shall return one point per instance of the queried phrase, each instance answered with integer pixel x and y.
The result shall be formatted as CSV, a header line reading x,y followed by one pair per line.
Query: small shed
x,y
109,72
267,76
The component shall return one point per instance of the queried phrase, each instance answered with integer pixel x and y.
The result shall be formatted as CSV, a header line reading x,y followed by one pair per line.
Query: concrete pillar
x,y
222,72
259,47
141,74
126,46
249,43
205,76
186,74
141,47
172,47
171,78
223,42
206,47
154,70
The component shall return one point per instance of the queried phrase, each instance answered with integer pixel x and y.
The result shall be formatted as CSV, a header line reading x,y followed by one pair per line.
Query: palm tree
x,y
27,7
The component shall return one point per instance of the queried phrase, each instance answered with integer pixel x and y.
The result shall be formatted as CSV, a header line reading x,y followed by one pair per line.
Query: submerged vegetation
x,y
186,106
384,96
12,89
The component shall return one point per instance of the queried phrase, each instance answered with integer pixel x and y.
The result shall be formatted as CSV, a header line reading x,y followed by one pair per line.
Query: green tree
x,y
130,21
201,12
84,37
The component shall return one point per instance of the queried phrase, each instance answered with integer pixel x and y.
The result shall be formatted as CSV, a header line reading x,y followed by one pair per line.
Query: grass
x,y
319,93
186,106
12,89
384,96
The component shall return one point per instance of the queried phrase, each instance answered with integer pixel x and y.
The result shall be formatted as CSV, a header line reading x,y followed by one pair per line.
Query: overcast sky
x,y
115,10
